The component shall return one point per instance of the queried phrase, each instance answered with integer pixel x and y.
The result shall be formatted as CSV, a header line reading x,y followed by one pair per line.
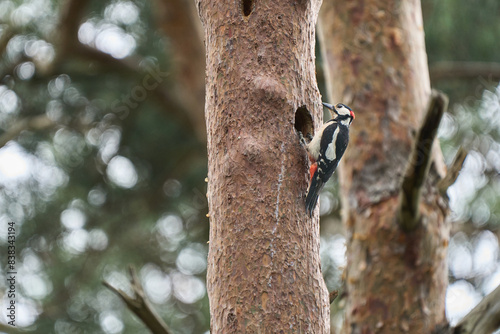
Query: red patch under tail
x,y
313,169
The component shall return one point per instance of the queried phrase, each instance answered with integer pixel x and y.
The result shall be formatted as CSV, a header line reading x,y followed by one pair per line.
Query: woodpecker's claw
x,y
301,138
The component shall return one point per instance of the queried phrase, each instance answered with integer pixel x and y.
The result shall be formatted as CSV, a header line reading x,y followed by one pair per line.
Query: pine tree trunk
x,y
375,61
263,265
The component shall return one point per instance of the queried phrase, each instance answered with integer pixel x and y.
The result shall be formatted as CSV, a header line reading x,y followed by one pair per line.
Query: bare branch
x,y
31,123
139,304
463,70
483,319
453,170
416,172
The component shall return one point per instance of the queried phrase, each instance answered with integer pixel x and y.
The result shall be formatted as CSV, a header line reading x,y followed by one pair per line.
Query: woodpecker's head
x,y
341,111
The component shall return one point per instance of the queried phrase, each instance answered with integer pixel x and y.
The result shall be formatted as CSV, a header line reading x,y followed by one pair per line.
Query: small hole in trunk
x,y
247,6
304,122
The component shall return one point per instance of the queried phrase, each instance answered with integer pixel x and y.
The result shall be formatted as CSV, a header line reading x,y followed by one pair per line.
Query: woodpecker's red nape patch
x,y
313,169
352,114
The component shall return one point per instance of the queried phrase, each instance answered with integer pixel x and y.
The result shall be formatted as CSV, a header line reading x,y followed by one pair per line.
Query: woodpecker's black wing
x,y
333,145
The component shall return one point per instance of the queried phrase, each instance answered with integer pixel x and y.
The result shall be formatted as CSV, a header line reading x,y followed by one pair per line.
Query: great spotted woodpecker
x,y
325,150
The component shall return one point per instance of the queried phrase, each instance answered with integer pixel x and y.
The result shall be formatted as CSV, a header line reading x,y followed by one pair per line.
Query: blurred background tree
x,y
103,159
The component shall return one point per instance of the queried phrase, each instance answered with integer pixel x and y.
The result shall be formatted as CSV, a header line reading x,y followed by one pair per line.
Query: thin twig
x,y
453,170
418,167
139,304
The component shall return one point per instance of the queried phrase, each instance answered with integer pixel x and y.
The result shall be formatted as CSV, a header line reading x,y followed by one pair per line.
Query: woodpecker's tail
x,y
313,193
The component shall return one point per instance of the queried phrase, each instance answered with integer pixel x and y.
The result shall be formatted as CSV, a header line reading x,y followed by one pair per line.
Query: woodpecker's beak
x,y
329,106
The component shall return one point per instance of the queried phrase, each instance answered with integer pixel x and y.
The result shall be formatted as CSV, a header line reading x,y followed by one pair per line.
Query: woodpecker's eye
x,y
338,106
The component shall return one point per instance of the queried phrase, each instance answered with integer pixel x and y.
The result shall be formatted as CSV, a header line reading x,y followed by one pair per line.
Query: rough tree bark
x,y
375,61
263,264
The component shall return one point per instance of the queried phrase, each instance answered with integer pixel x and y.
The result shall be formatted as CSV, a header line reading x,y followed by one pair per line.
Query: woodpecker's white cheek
x,y
331,153
343,111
